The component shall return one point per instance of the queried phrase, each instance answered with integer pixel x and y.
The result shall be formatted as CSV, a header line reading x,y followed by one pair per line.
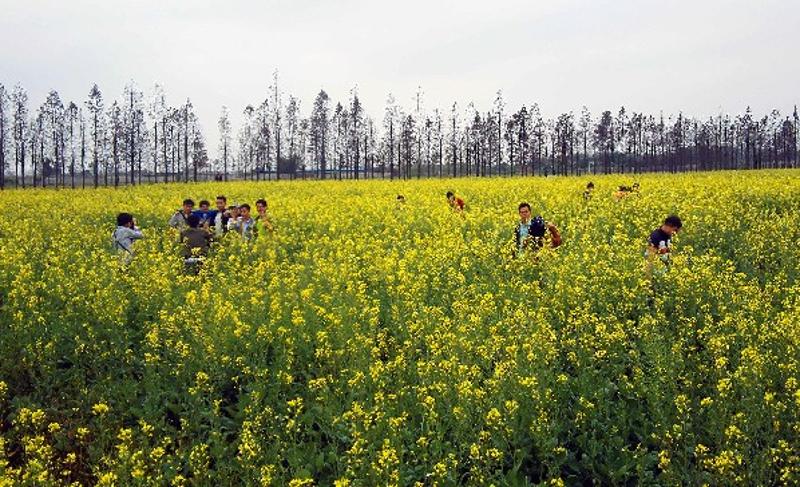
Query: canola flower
x,y
366,343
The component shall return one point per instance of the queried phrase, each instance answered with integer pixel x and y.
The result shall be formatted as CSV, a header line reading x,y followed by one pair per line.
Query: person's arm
x,y
660,250
555,237
136,233
174,221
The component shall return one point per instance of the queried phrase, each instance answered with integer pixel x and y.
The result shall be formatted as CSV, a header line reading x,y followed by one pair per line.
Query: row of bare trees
x,y
137,138
94,142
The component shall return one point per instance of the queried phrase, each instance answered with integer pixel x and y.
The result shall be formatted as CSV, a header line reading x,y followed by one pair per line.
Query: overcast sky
x,y
698,56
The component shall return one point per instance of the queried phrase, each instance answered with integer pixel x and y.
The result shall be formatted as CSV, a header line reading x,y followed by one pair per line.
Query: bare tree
x,y
96,113
319,132
19,103
224,139
3,134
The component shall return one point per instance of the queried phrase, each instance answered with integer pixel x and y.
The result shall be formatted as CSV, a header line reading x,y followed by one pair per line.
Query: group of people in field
x,y
531,231
197,228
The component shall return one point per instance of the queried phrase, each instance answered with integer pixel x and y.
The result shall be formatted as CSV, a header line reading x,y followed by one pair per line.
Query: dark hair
x,y
449,194
193,220
204,202
524,205
123,219
188,201
223,198
590,185
245,205
400,197
673,221
261,201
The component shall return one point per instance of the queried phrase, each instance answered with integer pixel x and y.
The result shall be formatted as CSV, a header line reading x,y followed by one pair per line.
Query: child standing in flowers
x,y
125,234
233,215
243,224
529,232
659,244
263,217
180,220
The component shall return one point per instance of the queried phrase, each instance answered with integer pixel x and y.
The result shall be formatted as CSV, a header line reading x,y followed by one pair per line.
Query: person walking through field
x,y
588,193
180,220
125,234
529,234
659,243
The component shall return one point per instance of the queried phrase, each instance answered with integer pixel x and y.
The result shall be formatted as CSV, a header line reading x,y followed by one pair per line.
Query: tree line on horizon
x,y
137,138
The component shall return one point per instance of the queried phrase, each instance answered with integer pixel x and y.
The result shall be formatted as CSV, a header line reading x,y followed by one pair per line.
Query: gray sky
x,y
698,56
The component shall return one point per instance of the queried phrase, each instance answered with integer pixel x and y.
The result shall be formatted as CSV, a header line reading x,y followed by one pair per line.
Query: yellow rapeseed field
x,y
362,343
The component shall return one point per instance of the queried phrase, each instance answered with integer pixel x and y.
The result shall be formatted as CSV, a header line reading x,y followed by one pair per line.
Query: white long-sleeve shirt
x,y
124,237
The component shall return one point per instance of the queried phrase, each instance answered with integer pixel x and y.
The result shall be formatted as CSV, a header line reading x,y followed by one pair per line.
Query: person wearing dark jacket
x,y
195,239
659,243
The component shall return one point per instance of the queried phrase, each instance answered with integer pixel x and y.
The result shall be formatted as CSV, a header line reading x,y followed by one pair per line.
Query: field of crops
x,y
362,344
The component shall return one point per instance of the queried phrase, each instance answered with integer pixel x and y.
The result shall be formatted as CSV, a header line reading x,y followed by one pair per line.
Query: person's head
x,y
222,201
193,221
261,206
401,199
244,211
672,224
635,186
188,205
590,186
233,211
204,205
125,220
524,211
450,196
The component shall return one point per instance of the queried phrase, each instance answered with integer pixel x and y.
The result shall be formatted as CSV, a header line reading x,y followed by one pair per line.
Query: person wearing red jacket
x,y
456,203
